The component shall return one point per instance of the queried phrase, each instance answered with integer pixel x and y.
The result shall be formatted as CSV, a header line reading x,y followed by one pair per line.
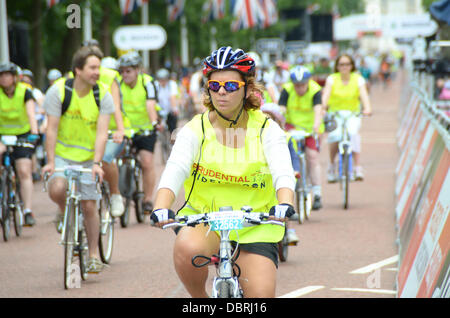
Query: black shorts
x,y
269,250
22,152
144,142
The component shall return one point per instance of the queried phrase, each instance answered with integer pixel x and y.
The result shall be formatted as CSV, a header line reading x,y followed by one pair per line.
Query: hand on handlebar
x,y
97,173
281,211
161,217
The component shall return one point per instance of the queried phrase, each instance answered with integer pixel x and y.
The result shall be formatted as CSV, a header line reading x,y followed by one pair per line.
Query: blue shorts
x,y
112,150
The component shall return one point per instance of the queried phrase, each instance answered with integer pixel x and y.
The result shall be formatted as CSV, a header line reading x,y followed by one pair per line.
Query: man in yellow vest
x,y
77,132
301,100
139,103
17,117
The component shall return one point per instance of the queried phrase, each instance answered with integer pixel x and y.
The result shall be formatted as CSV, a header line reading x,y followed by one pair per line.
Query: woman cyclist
x,y
231,155
346,89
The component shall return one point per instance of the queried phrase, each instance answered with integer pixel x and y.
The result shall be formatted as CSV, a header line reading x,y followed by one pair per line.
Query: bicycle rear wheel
x,y
106,237
71,279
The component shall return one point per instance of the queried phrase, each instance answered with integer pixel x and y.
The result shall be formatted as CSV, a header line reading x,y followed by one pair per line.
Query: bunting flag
x,y
175,9
51,3
253,13
128,6
213,10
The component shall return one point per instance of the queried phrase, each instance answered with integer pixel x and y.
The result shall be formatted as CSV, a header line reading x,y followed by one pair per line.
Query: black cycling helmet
x,y
9,67
225,58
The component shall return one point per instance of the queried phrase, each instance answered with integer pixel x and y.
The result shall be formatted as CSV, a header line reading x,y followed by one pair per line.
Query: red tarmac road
x,y
333,243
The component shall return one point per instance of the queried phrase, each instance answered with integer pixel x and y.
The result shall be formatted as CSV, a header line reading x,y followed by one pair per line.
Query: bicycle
x,y
10,196
303,188
164,136
345,154
226,283
130,180
73,235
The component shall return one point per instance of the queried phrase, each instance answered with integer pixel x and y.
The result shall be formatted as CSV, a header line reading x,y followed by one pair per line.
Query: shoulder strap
x,y
96,90
68,88
262,128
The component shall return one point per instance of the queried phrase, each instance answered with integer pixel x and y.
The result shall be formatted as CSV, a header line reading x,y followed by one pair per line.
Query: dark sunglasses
x,y
230,86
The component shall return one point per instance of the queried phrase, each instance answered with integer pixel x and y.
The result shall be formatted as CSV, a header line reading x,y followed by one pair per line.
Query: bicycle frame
x,y
302,187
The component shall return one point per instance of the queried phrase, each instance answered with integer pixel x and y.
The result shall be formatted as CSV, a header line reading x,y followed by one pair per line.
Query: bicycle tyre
x,y
6,219
308,203
83,253
223,290
106,236
346,175
125,217
69,242
283,247
301,206
18,211
138,198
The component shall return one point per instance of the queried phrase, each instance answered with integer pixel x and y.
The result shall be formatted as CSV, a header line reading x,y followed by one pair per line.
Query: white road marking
x,y
366,290
301,292
370,268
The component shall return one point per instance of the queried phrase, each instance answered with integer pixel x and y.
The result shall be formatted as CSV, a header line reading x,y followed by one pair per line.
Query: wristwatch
x,y
98,163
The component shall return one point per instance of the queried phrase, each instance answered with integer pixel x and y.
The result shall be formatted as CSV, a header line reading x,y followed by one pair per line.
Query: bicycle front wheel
x,y
301,205
6,219
83,253
18,213
223,290
106,237
71,279
345,178
283,247
138,197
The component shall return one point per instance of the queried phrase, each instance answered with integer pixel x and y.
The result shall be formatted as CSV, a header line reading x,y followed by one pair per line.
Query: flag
x,y
175,9
128,6
213,10
269,8
51,3
253,13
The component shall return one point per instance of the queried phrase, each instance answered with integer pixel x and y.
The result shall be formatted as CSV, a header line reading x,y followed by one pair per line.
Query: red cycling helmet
x,y
225,58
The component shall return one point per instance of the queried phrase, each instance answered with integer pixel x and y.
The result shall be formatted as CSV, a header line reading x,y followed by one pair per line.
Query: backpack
x,y
68,88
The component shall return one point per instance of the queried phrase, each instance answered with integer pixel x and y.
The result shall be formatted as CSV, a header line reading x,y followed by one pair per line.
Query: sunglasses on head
x,y
230,86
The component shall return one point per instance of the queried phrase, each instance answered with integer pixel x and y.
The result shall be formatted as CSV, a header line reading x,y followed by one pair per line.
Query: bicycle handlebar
x,y
14,141
250,218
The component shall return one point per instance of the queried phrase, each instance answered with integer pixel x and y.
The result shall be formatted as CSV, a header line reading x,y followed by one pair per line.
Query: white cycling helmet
x,y
53,74
110,62
162,74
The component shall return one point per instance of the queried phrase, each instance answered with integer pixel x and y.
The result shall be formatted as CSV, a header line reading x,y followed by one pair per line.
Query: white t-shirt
x,y
165,93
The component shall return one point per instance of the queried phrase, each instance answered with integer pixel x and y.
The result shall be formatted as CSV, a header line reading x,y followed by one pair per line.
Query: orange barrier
x,y
423,199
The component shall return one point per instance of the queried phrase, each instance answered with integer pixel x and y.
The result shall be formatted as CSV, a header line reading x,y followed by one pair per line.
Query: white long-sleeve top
x,y
187,146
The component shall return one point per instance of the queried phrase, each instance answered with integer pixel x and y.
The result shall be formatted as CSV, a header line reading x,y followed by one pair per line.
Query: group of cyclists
x,y
235,151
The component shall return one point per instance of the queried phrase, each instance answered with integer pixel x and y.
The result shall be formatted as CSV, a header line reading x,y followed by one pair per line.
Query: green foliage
x,y
59,42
